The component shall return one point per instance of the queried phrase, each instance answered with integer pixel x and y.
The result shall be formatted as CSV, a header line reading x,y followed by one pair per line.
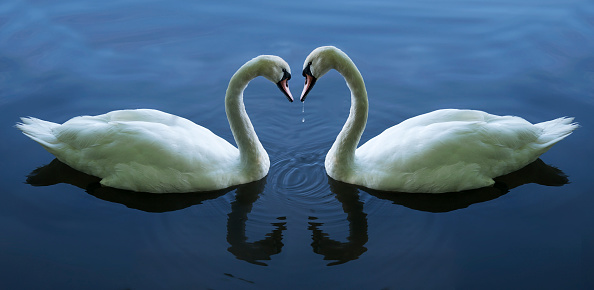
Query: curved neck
x,y
250,148
346,143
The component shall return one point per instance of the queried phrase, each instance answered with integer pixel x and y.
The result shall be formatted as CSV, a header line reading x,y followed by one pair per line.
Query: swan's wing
x,y
99,144
471,146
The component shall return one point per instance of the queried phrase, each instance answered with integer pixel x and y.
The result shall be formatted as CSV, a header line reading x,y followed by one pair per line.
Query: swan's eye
x,y
307,69
286,75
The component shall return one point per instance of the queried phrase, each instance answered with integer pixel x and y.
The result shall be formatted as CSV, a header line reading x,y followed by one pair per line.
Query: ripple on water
x,y
300,178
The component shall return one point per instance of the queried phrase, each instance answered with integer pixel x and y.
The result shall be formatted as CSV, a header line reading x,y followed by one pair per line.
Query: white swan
x,y
441,151
152,151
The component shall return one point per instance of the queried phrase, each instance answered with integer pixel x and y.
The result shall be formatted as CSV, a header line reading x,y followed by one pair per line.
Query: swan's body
x,y
441,151
152,151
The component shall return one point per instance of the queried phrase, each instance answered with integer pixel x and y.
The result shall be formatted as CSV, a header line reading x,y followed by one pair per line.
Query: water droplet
x,y
303,111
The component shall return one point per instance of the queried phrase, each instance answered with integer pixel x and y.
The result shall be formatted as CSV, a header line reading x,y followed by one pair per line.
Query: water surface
x,y
297,228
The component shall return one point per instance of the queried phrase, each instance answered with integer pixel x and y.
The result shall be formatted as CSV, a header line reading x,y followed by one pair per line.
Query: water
x,y
297,228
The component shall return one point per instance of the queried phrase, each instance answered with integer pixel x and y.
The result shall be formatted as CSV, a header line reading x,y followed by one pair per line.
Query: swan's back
x,y
132,149
452,150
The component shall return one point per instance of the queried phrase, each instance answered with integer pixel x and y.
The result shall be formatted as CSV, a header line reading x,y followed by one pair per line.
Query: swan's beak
x,y
309,82
283,85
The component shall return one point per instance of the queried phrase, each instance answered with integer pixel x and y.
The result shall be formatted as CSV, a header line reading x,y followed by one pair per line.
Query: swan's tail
x,y
555,130
39,130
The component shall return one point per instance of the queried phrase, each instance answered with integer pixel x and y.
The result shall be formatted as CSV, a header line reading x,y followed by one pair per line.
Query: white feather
x,y
152,151
441,151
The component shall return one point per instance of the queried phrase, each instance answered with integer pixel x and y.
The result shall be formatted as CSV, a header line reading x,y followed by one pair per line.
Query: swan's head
x,y
320,61
276,70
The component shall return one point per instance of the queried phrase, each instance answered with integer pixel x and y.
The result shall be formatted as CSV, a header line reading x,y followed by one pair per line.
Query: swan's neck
x,y
343,149
251,151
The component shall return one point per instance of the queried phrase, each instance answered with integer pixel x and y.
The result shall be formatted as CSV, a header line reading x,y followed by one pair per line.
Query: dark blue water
x,y
297,228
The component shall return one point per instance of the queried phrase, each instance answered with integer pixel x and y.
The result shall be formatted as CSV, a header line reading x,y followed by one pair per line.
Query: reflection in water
x,y
348,195
536,172
343,252
236,224
58,172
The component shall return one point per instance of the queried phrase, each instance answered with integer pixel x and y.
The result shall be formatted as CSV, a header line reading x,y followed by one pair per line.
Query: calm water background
x,y
296,229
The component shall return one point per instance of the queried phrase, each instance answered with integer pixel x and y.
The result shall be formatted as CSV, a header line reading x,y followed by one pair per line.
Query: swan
x,y
147,150
446,150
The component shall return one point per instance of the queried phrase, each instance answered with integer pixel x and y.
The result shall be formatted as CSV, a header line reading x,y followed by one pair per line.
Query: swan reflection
x,y
536,172
252,252
342,252
57,172
348,195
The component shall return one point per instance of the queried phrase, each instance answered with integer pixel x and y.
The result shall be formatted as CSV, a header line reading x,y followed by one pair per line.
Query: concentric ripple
x,y
298,175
